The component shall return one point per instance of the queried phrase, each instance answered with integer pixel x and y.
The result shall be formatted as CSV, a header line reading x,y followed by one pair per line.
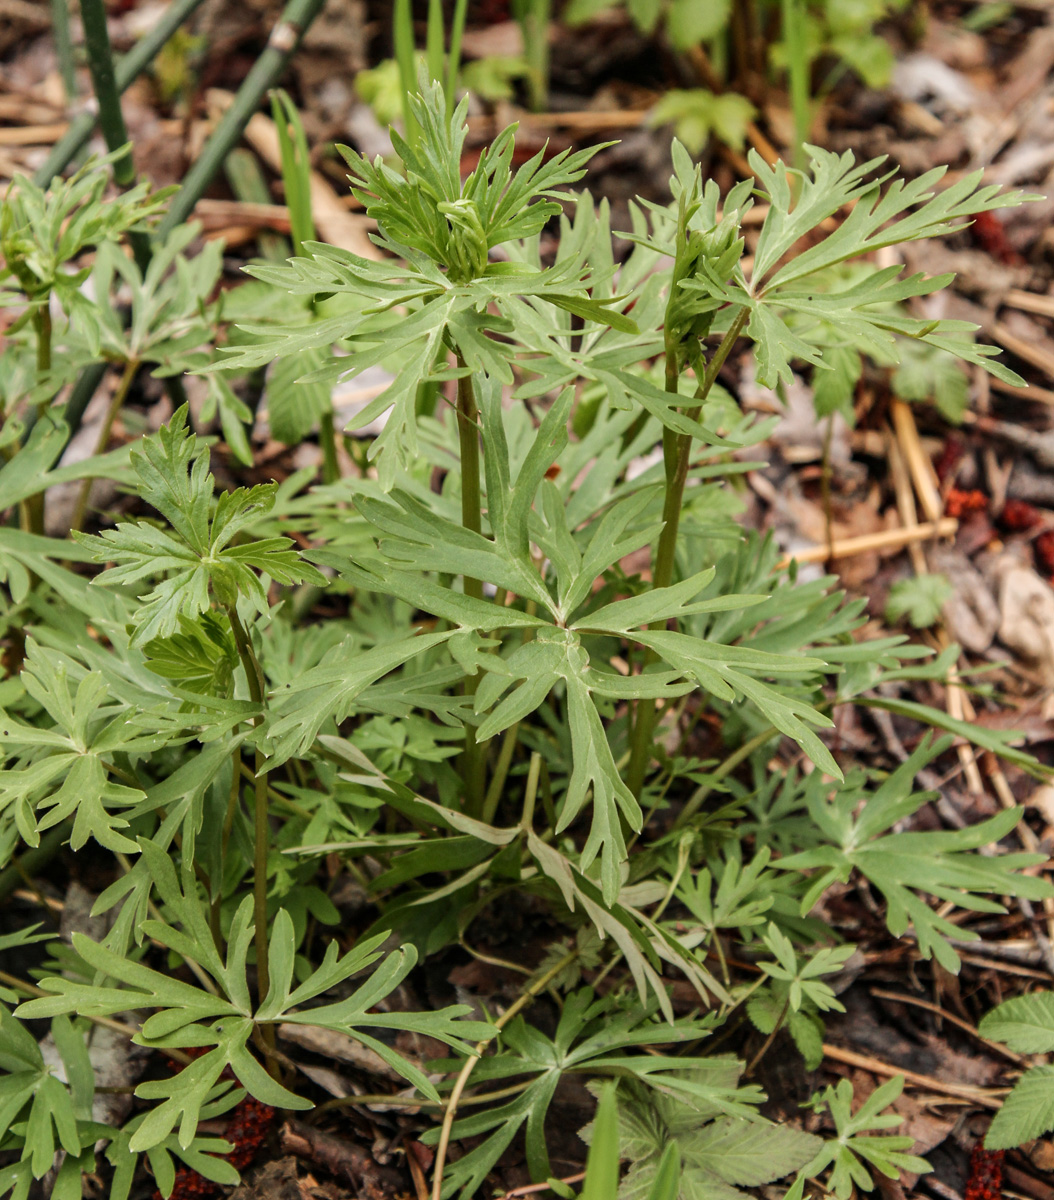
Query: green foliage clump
x,y
498,700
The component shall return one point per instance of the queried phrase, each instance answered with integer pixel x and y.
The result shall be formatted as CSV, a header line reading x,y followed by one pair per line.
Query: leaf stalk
x,y
677,454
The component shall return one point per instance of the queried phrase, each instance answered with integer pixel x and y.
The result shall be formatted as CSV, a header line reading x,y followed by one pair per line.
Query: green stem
x,y
457,32
678,455
104,81
60,32
128,70
246,177
285,38
111,119
535,23
798,69
261,824
31,510
434,40
769,1040
501,773
119,395
825,486
403,44
473,759
42,327
328,439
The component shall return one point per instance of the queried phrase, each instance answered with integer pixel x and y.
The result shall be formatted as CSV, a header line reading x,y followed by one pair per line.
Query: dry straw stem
x,y
335,224
918,461
1034,353
987,1097
888,539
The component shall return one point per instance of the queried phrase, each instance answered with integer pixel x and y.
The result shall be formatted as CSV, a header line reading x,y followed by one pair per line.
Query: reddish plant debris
x,y
1018,516
986,1174
247,1129
951,454
990,235
958,502
1044,548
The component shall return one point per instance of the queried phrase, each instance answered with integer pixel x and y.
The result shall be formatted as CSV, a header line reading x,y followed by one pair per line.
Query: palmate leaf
x,y
867,310
906,866
505,205
204,1154
329,691
184,1015
29,1092
907,211
453,297
728,671
62,772
201,553
556,656
589,1038
852,1154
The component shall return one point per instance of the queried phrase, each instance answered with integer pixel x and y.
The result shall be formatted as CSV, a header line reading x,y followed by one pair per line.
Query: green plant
x,y
1026,1025
812,32
495,701
853,1154
920,599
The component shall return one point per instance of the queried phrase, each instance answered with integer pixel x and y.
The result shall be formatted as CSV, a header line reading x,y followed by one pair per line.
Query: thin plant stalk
x,y
127,70
798,71
434,40
296,178
528,995
261,823
111,119
119,396
60,32
453,66
104,81
473,759
31,510
42,328
678,460
286,36
501,773
534,20
246,177
403,43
